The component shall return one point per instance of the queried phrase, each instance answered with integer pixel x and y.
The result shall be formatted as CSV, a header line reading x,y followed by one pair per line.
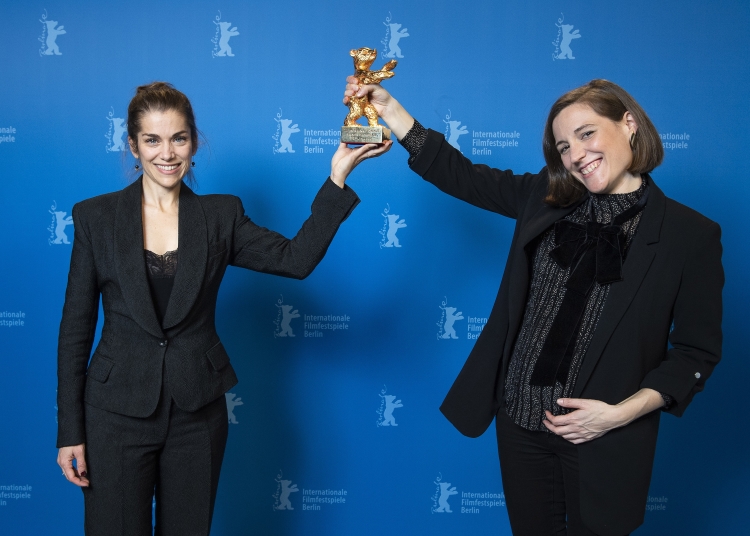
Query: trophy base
x,y
360,135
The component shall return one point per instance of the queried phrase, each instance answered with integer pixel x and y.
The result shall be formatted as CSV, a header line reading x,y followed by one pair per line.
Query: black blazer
x,y
125,373
670,295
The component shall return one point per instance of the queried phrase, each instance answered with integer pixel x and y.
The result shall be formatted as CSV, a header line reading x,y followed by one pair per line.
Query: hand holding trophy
x,y
352,132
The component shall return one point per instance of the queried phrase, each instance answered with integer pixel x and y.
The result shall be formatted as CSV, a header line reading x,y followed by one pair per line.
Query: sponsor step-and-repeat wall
x,y
334,425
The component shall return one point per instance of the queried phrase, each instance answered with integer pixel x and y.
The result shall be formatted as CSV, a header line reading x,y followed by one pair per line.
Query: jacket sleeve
x,y
263,250
696,335
491,189
76,338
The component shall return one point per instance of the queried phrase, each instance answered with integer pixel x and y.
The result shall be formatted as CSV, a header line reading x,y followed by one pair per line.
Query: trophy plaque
x,y
352,132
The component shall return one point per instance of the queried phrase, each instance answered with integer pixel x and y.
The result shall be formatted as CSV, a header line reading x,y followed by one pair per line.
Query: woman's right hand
x,y
395,116
76,475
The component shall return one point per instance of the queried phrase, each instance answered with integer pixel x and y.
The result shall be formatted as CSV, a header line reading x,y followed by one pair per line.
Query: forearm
x,y
641,403
397,119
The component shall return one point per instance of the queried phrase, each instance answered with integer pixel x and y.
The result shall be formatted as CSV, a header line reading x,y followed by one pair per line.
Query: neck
x,y
163,199
630,183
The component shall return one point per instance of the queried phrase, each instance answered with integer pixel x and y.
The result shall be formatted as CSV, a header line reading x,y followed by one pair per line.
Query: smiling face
x,y
596,150
164,147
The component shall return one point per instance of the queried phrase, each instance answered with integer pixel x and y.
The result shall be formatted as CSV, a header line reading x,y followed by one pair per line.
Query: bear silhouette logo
x,y
447,318
393,34
232,402
284,130
284,317
224,32
388,403
565,36
453,130
60,220
50,31
443,492
284,488
116,133
391,225
287,129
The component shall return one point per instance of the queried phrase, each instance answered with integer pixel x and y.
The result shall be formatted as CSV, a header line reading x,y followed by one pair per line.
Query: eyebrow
x,y
146,134
576,131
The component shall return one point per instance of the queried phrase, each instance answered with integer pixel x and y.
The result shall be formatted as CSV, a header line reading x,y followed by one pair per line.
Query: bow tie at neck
x,y
593,250
594,253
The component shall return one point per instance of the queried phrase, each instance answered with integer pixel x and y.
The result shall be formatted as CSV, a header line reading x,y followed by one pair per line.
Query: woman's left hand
x,y
345,159
594,418
591,419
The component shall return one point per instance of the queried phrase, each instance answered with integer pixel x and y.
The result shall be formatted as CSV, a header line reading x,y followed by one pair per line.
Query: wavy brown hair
x,y
611,101
160,97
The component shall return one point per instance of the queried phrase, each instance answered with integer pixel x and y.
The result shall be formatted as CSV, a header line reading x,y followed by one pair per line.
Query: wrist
x,y
397,119
338,180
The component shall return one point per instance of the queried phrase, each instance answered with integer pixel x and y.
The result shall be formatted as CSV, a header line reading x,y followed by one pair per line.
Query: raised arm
x,y
435,160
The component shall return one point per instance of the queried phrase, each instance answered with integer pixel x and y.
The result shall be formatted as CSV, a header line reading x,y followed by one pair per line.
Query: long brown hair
x,y
611,101
160,97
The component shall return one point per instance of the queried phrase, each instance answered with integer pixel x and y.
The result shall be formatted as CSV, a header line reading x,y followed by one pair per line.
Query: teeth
x,y
167,168
591,167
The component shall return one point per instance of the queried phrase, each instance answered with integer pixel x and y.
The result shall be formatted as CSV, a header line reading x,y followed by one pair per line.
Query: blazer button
x,y
697,374
164,343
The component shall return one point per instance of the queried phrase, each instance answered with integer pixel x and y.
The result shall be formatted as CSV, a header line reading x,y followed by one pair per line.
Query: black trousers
x,y
540,481
173,455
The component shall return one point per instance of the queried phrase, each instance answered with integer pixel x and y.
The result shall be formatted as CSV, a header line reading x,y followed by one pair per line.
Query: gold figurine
x,y
352,132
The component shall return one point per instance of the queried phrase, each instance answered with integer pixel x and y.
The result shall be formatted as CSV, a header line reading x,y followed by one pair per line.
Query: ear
x,y
630,122
133,147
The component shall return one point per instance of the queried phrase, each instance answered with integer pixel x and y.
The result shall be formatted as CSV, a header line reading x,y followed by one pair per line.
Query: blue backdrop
x,y
337,431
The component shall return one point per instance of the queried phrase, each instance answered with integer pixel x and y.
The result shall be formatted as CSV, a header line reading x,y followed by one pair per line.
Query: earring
x,y
632,140
192,164
137,167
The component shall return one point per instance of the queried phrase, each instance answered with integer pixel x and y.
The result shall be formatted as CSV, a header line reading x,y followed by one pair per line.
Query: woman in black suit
x,y
604,273
147,417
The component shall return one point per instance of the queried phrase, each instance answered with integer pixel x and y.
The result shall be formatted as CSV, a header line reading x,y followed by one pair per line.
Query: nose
x,y
577,152
167,152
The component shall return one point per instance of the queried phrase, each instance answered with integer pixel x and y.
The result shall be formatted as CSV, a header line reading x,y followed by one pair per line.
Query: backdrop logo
x,y
7,134
388,403
284,488
14,492
115,132
284,129
393,34
656,504
284,317
565,34
447,318
232,402
391,224
669,140
50,31
443,491
56,228
453,130
222,36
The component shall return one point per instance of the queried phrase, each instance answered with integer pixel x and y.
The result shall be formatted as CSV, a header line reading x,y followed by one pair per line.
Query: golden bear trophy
x,y
352,132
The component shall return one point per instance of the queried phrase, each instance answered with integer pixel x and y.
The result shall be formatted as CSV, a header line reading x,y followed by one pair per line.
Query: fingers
x,y
74,474
572,402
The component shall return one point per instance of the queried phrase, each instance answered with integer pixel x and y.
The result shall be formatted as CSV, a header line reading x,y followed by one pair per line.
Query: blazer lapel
x,y
129,260
192,253
545,217
637,263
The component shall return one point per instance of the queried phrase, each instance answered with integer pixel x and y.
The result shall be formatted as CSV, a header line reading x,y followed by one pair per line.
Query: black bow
x,y
594,252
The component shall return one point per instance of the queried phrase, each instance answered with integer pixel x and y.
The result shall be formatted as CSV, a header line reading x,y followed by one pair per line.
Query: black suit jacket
x,y
670,296
125,373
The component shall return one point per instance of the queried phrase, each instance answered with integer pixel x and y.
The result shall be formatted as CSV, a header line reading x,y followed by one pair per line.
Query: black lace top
x,y
161,270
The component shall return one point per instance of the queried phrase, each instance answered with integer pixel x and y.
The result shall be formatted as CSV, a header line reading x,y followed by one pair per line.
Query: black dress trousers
x,y
173,455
